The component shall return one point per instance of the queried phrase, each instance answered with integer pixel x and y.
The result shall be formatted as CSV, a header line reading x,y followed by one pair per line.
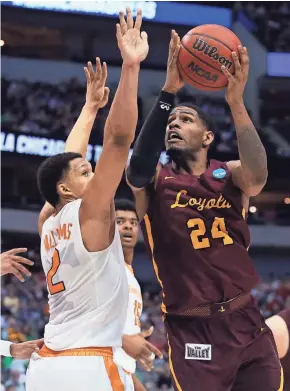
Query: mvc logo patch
x,y
194,351
219,173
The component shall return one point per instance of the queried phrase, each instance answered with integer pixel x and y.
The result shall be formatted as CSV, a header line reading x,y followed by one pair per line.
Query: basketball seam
x,y
204,62
204,85
209,36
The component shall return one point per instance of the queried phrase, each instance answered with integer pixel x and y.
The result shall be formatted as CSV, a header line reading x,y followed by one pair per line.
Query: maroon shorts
x,y
229,351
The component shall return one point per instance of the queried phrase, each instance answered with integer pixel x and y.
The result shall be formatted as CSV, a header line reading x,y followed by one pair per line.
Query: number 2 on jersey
x,y
218,231
56,287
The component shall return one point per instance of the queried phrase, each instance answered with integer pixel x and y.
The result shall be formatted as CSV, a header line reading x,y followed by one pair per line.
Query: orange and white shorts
x,y
88,369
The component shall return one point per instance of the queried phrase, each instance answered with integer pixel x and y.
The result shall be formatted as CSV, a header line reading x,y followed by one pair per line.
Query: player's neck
x,y
59,207
194,165
128,255
63,203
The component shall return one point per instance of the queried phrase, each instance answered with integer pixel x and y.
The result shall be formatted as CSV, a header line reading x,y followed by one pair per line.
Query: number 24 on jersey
x,y
199,236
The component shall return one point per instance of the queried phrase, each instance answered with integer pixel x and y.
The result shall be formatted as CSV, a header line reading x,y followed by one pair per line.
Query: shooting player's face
x,y
186,131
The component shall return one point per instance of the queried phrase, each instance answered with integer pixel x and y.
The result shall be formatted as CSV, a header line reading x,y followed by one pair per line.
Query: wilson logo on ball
x,y
202,72
211,51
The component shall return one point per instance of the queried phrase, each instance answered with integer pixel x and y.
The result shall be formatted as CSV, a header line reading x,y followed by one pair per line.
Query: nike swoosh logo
x,y
169,177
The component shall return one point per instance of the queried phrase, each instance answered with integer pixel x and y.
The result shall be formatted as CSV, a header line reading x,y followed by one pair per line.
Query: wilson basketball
x,y
203,51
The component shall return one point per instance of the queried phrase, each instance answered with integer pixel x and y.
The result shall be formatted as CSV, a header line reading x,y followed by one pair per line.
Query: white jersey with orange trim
x,y
132,325
87,291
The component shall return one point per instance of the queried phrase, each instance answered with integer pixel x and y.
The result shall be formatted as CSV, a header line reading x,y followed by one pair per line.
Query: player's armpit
x,y
138,386
47,211
241,180
142,200
142,196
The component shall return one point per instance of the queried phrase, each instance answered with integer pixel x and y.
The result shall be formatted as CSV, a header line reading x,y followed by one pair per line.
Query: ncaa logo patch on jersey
x,y
219,173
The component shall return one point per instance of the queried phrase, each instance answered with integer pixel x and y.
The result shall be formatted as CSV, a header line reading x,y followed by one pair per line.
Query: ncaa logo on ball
x,y
220,173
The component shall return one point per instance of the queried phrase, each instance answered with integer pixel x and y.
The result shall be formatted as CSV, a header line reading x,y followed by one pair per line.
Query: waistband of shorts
x,y
90,351
219,308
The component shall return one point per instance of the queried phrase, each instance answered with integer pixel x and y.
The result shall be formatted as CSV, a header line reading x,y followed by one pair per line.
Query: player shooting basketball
x,y
193,213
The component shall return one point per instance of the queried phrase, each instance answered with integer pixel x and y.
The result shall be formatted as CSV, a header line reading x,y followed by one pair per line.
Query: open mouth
x,y
127,236
173,136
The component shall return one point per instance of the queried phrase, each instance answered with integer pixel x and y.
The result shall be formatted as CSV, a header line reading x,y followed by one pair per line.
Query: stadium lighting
x,y
253,209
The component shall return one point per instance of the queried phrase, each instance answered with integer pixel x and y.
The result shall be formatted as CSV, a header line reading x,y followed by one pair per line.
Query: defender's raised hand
x,y
133,45
237,81
97,94
173,81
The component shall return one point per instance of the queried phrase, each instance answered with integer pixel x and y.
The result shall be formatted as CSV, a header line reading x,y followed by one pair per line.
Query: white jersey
x,y
132,325
87,291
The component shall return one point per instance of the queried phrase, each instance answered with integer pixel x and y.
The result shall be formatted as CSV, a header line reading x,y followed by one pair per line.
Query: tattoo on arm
x,y
251,150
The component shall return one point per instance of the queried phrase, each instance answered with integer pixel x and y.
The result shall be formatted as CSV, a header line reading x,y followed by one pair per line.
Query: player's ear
x,y
207,139
63,190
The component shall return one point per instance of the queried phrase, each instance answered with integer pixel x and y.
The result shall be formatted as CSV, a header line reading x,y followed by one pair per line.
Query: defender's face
x,y
128,227
185,130
76,179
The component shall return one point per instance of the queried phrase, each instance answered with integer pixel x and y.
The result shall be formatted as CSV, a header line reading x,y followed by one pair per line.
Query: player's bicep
x,y
240,180
237,174
100,191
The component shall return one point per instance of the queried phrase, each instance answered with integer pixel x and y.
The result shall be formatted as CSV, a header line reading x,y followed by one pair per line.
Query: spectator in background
x,y
15,381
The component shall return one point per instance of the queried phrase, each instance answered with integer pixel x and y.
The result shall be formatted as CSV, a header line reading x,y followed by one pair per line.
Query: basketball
x,y
203,51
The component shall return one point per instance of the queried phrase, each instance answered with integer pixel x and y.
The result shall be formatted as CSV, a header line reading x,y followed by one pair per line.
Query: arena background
x,y
44,48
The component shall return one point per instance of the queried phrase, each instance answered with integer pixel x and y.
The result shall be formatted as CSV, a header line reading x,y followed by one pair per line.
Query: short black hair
x,y
205,118
125,204
50,172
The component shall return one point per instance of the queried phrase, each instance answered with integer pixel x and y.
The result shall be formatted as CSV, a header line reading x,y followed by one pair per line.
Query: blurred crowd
x,y
48,110
25,313
271,22
51,111
43,109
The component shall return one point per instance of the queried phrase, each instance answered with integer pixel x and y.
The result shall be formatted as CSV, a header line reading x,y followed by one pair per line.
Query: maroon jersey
x,y
285,361
196,231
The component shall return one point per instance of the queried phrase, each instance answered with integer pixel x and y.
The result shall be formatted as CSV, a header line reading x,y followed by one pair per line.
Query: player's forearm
x,y
251,150
79,136
150,142
122,119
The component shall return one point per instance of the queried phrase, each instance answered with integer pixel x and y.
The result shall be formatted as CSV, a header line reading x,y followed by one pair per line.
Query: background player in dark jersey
x,y
193,217
280,326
